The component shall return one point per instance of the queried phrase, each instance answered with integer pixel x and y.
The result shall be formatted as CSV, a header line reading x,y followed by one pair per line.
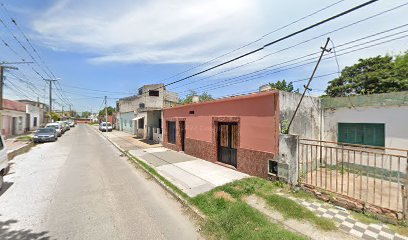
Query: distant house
x,y
13,118
36,114
141,114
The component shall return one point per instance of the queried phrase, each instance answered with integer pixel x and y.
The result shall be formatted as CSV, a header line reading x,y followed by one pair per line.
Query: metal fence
x,y
374,175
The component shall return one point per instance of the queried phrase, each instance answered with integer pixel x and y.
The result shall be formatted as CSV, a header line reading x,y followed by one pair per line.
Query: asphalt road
x,y
80,187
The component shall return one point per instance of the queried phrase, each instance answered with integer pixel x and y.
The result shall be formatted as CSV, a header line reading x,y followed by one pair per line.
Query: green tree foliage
x,y
379,74
85,114
203,97
55,116
283,86
111,110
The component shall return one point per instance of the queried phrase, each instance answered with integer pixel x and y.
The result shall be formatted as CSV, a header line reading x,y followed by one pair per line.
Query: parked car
x,y
58,128
45,135
71,123
4,166
65,125
105,127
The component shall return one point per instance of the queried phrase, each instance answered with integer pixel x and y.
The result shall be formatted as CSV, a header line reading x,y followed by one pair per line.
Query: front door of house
x,y
228,143
182,134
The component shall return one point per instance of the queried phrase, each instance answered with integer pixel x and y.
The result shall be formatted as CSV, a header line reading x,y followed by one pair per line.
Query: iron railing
x,y
374,175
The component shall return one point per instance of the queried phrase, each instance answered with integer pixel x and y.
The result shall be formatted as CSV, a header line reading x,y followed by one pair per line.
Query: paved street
x,y
81,188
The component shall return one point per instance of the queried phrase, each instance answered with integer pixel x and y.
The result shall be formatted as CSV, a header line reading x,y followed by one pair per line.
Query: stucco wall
x,y
126,123
307,122
395,119
257,120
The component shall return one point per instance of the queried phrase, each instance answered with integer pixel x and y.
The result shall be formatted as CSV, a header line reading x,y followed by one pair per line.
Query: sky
x,y
97,47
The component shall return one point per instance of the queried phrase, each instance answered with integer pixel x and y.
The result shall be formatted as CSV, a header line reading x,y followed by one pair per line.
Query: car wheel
x,y
1,180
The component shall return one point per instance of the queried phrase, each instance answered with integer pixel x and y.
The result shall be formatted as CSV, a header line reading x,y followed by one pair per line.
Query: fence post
x,y
405,192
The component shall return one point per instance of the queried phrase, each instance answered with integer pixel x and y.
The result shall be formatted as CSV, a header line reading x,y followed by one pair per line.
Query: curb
x,y
179,198
19,150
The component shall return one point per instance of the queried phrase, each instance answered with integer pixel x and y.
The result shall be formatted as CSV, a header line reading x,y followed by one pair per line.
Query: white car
x,y
105,127
58,128
4,166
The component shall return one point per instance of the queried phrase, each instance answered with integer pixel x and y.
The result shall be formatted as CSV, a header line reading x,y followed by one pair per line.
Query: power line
x,y
277,40
257,40
304,64
300,43
298,58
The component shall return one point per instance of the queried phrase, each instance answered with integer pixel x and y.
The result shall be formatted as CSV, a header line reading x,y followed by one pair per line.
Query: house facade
x,y
36,114
240,132
141,114
376,120
13,118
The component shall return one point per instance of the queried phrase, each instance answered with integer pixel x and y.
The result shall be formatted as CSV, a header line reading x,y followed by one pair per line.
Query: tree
x,y
85,114
379,74
111,110
283,86
204,97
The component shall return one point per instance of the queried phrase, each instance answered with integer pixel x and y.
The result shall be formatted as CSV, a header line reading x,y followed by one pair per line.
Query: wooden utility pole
x,y
324,49
1,93
106,114
50,81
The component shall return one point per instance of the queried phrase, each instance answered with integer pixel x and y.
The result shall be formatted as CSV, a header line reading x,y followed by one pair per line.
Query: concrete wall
x,y
394,118
257,120
307,121
288,159
35,112
126,123
8,115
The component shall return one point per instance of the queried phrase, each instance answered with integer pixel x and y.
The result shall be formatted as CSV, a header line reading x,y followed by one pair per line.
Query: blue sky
x,y
114,47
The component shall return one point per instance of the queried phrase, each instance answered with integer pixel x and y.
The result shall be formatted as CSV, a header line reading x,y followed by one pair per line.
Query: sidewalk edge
x,y
177,196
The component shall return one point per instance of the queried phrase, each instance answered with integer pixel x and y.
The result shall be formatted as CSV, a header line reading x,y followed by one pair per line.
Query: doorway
x,y
182,125
228,143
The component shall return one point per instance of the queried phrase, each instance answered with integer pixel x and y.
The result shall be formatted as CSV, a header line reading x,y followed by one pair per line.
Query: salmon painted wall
x,y
258,115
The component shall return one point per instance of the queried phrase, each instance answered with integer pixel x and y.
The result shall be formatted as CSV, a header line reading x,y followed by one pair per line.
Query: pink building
x,y
239,132
14,118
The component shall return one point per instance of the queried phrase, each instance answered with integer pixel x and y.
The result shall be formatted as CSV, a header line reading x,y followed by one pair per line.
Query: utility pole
x,y
324,49
50,81
62,111
106,115
1,93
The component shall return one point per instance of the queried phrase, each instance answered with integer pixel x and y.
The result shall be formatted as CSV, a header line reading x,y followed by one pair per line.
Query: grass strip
x,y
291,209
237,220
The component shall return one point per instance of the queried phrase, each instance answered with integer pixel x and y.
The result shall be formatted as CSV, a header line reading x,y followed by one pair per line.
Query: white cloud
x,y
159,31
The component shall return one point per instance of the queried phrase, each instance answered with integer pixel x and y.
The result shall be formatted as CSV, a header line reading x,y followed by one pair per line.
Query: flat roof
x,y
227,99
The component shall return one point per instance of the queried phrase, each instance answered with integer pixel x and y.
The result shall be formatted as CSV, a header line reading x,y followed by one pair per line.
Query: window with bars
x,y
362,133
171,132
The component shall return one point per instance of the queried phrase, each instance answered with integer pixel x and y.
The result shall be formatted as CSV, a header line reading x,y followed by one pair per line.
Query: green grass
x,y
291,209
228,219
365,218
237,220
402,230
24,138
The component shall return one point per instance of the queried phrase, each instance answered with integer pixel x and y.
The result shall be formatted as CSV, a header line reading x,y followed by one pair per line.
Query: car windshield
x,y
52,126
45,130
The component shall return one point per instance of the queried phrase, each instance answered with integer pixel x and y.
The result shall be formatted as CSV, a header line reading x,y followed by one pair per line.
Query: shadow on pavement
x,y
6,185
150,142
10,234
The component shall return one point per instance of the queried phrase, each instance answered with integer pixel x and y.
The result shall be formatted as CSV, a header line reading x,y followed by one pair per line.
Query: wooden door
x,y
228,143
182,134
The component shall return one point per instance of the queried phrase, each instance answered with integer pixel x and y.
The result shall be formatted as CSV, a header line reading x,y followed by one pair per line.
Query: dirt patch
x,y
224,195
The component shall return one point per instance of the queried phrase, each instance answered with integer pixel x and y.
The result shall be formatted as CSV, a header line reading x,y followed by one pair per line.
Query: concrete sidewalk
x,y
191,175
